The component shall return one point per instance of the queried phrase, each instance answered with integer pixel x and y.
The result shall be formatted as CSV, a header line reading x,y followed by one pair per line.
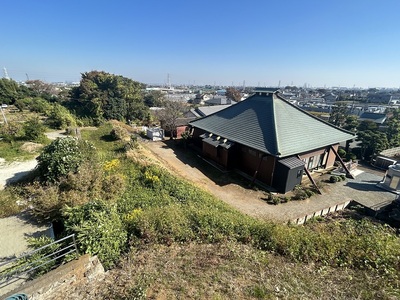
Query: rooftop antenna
x,y
6,74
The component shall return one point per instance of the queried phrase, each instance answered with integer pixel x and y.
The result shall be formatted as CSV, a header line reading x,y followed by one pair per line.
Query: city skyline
x,y
218,43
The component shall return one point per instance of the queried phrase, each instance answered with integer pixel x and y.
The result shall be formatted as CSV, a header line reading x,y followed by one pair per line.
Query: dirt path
x,y
14,171
11,172
14,230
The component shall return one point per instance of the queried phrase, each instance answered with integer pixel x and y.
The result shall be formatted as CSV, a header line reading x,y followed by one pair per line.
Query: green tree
x,y
62,156
338,114
11,91
366,125
102,96
40,105
351,123
34,130
372,142
8,91
393,132
154,98
60,117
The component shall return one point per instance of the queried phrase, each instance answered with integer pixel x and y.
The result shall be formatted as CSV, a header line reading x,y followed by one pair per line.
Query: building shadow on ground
x,y
369,186
191,156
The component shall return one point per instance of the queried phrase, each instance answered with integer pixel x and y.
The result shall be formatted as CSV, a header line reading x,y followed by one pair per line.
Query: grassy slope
x,y
229,270
219,267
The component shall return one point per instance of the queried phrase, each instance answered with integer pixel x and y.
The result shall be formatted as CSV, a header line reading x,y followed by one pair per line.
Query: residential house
x,y
329,98
222,100
374,117
203,111
268,138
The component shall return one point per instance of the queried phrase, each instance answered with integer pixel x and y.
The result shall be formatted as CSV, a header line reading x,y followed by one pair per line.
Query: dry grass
x,y
228,271
31,147
14,115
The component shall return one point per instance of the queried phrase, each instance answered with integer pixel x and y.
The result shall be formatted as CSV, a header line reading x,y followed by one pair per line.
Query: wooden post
x,y
258,168
310,177
349,175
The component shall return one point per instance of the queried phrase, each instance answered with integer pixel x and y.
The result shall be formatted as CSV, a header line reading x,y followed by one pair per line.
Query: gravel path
x,y
362,189
10,172
15,229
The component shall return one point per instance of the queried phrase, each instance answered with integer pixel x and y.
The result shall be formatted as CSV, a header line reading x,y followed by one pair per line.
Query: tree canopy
x,y
104,96
233,94
338,114
11,91
169,115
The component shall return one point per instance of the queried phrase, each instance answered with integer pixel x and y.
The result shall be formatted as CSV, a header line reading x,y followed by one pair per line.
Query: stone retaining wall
x,y
57,281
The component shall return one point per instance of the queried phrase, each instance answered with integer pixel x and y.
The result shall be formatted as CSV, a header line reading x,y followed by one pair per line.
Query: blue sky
x,y
318,43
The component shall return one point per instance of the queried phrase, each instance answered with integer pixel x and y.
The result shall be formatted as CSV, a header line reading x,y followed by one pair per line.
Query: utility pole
x,y
4,116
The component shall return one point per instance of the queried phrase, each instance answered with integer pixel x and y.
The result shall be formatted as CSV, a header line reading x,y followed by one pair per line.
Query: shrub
x,y
44,259
11,131
300,193
40,105
99,230
309,192
45,201
63,156
34,130
351,156
342,152
60,117
9,203
119,133
88,183
334,179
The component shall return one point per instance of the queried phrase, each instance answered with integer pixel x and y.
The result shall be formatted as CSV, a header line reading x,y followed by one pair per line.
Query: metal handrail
x,y
10,271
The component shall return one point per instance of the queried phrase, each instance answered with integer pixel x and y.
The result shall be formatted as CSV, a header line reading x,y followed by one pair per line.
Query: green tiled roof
x,y
269,123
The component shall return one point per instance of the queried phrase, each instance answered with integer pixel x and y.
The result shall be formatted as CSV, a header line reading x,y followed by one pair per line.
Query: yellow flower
x,y
111,165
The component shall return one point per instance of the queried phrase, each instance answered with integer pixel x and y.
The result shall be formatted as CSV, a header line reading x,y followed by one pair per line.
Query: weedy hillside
x,y
163,238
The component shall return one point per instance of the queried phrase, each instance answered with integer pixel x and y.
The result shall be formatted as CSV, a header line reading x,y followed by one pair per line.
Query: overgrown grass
x,y
156,209
12,151
229,270
8,202
168,209
107,147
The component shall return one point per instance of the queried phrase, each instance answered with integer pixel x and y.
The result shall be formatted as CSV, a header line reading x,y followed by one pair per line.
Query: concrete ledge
x,y
85,268
321,212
